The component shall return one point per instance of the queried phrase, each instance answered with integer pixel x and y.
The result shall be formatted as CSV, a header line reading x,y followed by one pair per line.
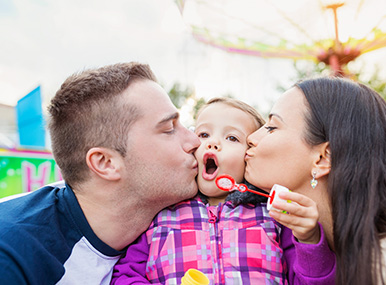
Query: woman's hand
x,y
301,217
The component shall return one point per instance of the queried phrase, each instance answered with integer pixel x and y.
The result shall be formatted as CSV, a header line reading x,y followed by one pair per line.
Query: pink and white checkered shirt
x,y
230,244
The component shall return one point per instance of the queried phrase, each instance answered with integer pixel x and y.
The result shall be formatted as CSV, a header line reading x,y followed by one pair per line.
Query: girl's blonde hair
x,y
259,121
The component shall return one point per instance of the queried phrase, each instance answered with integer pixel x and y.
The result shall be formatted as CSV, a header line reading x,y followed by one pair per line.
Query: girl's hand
x,y
301,217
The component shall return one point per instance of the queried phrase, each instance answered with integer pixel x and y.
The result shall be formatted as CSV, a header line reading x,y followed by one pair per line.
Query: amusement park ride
x,y
290,29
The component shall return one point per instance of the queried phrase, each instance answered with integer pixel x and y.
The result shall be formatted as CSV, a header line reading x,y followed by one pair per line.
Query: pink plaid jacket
x,y
230,244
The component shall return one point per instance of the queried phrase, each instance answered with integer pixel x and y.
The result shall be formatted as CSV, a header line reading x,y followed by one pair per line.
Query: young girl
x,y
228,236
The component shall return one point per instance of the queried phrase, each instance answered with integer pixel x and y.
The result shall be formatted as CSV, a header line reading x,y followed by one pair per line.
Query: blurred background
x,y
250,50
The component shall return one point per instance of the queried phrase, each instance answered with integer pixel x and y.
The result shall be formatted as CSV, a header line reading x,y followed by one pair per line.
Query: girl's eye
x,y
203,135
270,129
233,139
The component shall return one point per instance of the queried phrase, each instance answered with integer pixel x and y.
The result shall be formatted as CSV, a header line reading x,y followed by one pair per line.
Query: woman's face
x,y
279,153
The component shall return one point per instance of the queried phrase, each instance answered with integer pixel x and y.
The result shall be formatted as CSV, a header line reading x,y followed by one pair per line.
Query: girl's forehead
x,y
219,109
226,119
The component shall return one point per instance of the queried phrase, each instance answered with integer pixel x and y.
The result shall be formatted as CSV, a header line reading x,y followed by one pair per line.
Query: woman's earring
x,y
314,182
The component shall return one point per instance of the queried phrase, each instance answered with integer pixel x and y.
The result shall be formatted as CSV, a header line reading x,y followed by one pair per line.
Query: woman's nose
x,y
252,139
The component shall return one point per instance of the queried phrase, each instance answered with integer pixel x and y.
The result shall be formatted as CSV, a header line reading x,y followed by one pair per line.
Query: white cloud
x,y
43,42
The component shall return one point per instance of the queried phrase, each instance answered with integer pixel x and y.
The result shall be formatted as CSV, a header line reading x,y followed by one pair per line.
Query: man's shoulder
x,y
31,215
25,251
22,204
34,237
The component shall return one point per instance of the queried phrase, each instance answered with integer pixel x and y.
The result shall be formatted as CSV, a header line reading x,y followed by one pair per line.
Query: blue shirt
x,y
46,239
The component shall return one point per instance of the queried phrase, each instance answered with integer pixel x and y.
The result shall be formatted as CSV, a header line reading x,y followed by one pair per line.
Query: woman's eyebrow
x,y
275,115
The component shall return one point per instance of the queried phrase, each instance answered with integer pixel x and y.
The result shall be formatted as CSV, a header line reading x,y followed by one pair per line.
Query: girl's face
x,y
223,132
279,154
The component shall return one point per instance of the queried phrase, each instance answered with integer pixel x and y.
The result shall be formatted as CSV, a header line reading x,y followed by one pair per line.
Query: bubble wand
x,y
226,182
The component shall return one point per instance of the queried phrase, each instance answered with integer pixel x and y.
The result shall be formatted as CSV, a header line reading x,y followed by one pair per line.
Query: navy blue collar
x,y
79,219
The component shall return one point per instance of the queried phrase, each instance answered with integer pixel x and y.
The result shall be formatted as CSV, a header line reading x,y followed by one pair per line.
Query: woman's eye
x,y
203,135
232,138
270,129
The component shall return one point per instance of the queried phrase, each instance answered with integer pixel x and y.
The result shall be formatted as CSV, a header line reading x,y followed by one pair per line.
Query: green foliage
x,y
311,69
199,103
375,82
184,98
179,95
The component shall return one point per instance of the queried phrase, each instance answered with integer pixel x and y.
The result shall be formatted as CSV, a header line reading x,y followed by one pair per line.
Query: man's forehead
x,y
152,102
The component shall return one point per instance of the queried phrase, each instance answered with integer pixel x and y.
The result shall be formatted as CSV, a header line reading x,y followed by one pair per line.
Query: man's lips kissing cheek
x,y
210,169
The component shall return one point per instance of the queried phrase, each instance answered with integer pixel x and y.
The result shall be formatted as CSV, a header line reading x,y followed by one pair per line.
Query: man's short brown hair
x,y
87,112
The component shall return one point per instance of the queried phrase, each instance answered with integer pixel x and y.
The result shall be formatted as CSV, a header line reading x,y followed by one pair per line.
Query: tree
x,y
179,95
375,82
316,69
185,99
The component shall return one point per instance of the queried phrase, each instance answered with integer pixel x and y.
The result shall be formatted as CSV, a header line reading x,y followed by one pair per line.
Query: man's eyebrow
x,y
173,116
275,115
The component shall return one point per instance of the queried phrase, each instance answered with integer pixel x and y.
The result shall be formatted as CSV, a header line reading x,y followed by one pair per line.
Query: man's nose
x,y
192,142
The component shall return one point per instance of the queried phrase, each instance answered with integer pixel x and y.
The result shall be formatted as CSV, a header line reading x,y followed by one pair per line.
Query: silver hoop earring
x,y
314,182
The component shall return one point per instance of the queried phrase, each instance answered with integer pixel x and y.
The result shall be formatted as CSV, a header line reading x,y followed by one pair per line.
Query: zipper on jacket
x,y
214,218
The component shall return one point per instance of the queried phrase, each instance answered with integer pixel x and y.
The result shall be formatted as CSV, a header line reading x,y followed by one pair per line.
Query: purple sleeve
x,y
308,263
131,268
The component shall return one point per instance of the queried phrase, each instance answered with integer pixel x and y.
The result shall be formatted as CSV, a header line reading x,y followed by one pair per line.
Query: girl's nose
x,y
213,145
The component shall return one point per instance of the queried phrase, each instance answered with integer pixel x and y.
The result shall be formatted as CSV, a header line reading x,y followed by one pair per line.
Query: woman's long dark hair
x,y
352,118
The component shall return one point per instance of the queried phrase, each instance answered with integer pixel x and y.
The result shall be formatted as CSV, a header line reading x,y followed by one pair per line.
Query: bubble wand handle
x,y
259,193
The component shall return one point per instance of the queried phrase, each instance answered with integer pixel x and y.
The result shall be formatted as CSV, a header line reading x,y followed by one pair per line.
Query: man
x,y
124,156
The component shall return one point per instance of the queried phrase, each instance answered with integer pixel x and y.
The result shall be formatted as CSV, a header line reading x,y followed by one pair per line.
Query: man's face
x,y
160,163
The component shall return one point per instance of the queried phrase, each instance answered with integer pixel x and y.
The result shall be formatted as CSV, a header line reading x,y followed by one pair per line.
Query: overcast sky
x,y
44,41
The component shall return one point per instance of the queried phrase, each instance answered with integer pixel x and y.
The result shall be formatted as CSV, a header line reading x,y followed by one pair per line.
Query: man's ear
x,y
104,162
322,165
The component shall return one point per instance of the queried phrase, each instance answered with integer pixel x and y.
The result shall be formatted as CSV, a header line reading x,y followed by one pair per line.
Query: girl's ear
x,y
104,162
322,166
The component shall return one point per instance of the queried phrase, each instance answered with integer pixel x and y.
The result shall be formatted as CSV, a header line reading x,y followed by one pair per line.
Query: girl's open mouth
x,y
210,166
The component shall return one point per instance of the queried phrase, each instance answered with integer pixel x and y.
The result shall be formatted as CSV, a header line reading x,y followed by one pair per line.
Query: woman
x,y
330,134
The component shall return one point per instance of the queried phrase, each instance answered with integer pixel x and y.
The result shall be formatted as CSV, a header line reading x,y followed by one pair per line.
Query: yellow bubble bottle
x,y
194,277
